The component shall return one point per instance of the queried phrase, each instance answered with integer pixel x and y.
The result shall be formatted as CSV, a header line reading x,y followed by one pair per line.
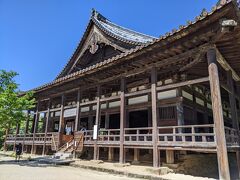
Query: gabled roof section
x,y
169,37
120,38
119,32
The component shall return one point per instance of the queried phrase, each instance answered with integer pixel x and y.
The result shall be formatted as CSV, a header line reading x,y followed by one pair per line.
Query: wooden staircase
x,y
54,145
79,141
73,145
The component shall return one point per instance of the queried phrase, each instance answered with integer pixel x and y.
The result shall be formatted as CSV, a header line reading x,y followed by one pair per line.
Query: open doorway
x,y
114,121
69,126
138,119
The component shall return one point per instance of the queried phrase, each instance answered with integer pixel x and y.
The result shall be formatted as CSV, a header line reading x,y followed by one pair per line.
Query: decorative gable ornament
x,y
93,45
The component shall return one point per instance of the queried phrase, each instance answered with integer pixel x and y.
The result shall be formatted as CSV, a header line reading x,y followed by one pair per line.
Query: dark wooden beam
x,y
181,84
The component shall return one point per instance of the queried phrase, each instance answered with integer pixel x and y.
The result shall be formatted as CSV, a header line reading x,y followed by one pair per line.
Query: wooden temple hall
x,y
128,97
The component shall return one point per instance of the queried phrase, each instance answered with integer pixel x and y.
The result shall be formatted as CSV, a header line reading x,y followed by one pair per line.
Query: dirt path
x,y
10,170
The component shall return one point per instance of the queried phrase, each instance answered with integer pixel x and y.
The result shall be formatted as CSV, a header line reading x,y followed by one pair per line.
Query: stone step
x,y
63,155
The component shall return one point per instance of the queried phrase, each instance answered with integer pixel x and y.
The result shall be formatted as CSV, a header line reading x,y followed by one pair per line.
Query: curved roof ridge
x,y
123,33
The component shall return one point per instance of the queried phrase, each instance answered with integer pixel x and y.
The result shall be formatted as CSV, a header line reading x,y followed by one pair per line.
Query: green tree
x,y
13,103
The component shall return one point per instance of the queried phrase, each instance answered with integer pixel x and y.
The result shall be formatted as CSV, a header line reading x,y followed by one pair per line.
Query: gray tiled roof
x,y
120,32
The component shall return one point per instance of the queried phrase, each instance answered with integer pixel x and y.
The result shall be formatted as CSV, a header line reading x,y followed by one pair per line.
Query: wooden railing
x,y
168,136
28,138
88,137
66,145
138,135
108,136
188,135
232,137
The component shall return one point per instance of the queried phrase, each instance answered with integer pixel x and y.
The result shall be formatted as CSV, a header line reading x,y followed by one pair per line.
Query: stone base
x,y
96,161
160,170
122,165
135,162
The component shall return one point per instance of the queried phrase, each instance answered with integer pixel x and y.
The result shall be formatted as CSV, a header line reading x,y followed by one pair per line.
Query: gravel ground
x,y
32,170
11,170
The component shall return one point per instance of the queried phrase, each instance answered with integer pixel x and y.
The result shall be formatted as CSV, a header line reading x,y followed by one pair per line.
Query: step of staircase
x,y
63,155
54,161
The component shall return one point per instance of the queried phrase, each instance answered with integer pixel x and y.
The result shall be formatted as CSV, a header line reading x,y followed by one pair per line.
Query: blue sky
x,y
37,37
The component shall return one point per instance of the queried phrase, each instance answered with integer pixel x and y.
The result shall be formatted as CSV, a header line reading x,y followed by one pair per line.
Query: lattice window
x,y
167,113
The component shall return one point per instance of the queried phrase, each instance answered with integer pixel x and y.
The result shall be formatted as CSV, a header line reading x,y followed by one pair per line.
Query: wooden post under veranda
x,y
26,130
98,116
222,154
122,120
46,127
33,150
5,141
61,122
156,156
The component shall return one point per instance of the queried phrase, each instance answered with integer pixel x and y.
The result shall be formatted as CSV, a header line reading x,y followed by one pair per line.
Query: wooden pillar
x,y
17,132
35,128
126,121
222,154
90,121
33,122
206,111
61,122
238,102
122,120
136,156
26,129
156,157
238,162
46,127
169,156
110,153
194,106
232,101
107,116
179,108
149,117
78,112
98,117
5,143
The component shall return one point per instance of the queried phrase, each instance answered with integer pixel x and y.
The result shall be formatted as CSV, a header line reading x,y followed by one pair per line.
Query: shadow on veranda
x,y
34,162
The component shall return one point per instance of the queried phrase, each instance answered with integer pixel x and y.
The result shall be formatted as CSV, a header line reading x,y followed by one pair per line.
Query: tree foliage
x,y
13,103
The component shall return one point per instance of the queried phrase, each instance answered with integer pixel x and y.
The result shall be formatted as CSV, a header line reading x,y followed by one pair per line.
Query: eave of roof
x,y
107,62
